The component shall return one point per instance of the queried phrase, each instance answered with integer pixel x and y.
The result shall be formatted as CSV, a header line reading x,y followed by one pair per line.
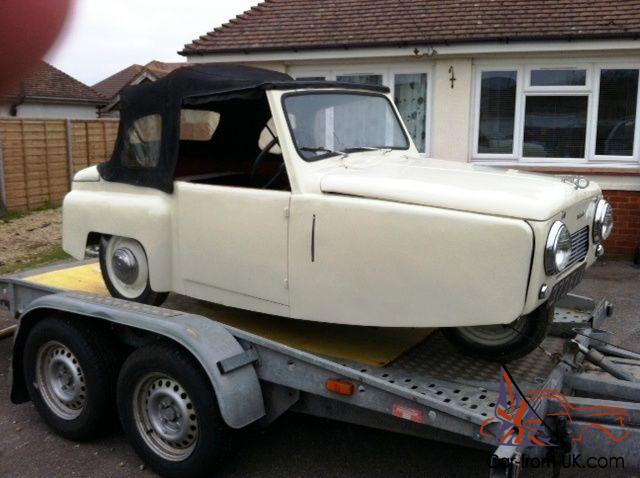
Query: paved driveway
x,y
294,446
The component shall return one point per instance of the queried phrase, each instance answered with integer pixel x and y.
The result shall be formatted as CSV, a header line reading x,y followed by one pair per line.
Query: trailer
x,y
78,352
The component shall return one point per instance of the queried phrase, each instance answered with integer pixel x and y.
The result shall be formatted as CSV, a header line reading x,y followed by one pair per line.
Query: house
x,y
50,93
111,87
539,85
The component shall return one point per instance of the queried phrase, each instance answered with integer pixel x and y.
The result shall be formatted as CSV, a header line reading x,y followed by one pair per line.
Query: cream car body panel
x,y
231,241
388,264
373,238
117,209
463,187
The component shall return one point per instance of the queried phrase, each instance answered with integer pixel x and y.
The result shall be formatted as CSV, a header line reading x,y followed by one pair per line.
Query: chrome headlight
x,y
603,221
557,252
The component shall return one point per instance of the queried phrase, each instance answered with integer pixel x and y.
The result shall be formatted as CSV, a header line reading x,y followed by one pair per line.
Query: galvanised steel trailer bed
x,y
429,391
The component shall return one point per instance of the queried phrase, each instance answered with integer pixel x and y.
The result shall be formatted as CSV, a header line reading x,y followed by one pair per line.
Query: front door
x,y
232,245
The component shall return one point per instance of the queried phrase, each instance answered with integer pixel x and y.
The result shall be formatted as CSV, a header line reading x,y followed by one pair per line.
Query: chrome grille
x,y
579,246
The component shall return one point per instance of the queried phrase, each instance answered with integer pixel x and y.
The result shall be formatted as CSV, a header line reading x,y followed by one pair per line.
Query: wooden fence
x,y
38,158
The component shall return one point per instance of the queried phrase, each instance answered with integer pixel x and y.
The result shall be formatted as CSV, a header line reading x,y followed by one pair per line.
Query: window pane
x,y
375,80
310,78
323,124
558,77
411,100
198,125
555,126
497,112
617,112
142,149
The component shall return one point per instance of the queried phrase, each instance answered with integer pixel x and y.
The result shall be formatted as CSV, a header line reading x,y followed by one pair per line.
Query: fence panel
x,y
36,157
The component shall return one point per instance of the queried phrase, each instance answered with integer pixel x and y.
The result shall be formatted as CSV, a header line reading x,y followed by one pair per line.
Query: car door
x,y
232,245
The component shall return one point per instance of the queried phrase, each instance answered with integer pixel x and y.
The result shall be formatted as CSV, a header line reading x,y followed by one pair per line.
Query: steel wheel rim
x,y
60,380
165,417
493,335
120,251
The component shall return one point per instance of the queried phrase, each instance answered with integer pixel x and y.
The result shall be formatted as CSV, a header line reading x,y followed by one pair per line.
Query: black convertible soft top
x,y
193,85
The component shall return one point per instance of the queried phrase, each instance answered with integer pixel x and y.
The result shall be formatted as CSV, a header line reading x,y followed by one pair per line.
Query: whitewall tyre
x,y
125,270
503,343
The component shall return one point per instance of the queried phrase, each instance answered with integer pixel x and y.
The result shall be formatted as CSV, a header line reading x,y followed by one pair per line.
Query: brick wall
x,y
626,231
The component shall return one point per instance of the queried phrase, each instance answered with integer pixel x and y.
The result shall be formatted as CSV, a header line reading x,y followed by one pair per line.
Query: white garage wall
x,y
50,111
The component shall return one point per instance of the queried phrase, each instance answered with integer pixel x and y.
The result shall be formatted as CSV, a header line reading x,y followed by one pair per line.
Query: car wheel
x,y
125,270
503,343
70,375
169,411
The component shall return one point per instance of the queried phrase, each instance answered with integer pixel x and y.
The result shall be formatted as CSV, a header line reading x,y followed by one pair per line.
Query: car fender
x,y
142,214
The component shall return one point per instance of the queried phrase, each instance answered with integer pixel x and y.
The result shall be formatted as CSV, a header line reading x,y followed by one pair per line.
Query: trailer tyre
x,y
125,270
503,343
70,373
169,411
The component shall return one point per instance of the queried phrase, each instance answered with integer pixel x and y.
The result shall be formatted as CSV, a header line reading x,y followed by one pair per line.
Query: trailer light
x,y
339,386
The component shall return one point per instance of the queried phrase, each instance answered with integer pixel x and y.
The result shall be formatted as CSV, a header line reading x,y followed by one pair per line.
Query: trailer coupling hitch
x,y
599,359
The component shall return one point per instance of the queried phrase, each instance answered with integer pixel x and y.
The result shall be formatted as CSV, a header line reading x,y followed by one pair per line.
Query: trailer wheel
x,y
503,343
169,410
70,375
125,270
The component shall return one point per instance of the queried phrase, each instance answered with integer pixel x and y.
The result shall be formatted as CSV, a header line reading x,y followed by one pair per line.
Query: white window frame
x,y
517,127
524,89
596,105
388,72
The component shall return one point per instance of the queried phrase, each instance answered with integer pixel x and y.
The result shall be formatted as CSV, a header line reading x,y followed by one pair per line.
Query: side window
x,y
198,125
142,149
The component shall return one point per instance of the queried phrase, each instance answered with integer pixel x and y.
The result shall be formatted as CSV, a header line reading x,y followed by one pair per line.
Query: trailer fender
x,y
227,364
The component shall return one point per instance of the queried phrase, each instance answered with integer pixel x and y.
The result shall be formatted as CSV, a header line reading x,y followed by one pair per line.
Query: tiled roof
x,y
112,86
276,25
48,83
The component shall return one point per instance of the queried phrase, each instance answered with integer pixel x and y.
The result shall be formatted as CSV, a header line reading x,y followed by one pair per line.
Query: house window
x,y
555,126
374,80
617,112
553,77
497,112
561,114
410,96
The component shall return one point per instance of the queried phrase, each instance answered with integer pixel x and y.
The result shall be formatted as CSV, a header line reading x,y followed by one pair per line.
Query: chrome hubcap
x,y
125,265
60,380
165,417
493,335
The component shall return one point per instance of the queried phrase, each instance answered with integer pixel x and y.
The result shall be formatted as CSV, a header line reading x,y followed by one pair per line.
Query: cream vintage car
x,y
309,200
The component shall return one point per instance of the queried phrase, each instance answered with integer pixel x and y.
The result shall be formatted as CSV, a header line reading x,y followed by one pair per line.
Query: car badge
x,y
578,182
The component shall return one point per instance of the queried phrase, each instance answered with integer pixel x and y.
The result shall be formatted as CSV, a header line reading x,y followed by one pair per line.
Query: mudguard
x,y
238,391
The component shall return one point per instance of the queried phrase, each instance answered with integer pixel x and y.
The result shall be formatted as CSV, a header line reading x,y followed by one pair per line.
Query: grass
x,y
52,255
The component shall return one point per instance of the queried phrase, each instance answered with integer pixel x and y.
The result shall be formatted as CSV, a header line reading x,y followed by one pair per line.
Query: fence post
x,y
3,191
69,126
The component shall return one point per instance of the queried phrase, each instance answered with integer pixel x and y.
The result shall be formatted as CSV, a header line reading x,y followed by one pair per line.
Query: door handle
x,y
313,239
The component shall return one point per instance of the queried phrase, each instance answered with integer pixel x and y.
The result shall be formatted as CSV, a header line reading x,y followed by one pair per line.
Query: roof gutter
x,y
63,100
417,49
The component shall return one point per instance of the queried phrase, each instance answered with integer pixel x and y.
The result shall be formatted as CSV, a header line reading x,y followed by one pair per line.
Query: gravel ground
x,y
295,446
30,236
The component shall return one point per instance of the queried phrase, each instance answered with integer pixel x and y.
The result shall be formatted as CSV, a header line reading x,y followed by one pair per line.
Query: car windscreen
x,y
325,124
